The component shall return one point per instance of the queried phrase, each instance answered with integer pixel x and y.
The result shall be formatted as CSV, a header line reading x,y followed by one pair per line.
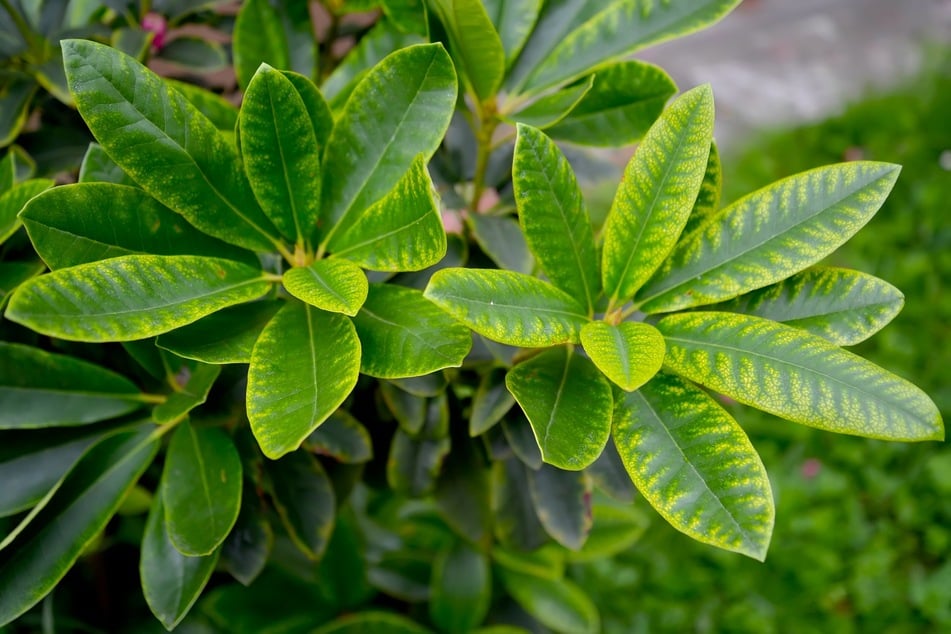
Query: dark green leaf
x,y
171,582
547,561
408,409
371,622
615,529
86,222
568,403
246,549
165,144
765,237
304,364
41,389
508,307
562,501
190,391
797,375
227,336
463,494
258,37
15,106
660,186
500,238
195,54
629,354
304,499
521,438
219,110
695,465
333,285
321,117
404,335
75,515
400,109
559,605
13,200
343,438
413,464
516,523
201,488
491,402
553,216
513,19
97,167
461,589
132,296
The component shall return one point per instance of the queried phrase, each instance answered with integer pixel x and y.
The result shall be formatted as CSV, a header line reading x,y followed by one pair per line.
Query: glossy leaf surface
x,y
165,144
334,285
695,465
770,234
843,306
508,307
258,37
76,514
304,364
13,200
343,438
97,167
708,199
553,216
201,488
560,605
490,403
132,296
475,43
657,193
562,501
798,376
227,336
568,403
461,589
191,390
404,335
629,354
43,389
304,498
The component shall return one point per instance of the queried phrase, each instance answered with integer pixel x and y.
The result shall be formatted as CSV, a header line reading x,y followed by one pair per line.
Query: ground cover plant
x,y
307,406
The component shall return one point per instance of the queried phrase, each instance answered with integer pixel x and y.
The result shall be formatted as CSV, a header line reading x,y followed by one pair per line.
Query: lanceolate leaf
x,y
629,354
132,296
86,222
334,285
42,389
769,235
550,109
227,336
321,118
171,582
13,200
508,307
558,604
201,488
797,375
258,37
404,335
475,43
246,550
304,364
76,514
553,216
843,306
304,498
568,403
281,154
695,465
513,20
623,102
400,232
461,589
708,200
658,191
400,109
516,523
413,464
562,500
618,29
165,144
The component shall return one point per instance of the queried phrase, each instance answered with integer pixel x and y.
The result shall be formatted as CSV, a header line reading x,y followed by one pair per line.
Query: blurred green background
x,y
862,541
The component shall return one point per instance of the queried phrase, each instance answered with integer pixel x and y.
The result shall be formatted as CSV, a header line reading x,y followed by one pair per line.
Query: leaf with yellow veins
x,y
797,375
334,285
629,354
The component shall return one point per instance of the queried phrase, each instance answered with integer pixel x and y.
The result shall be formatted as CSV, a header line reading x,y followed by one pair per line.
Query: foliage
x,y
258,349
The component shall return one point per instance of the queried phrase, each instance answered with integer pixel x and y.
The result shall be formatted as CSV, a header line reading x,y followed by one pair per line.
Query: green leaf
x,y
87,222
708,200
334,285
13,200
521,439
171,582
12,274
508,307
798,376
281,154
695,465
259,37
132,296
500,238
304,364
72,520
188,394
491,402
401,232
513,20
374,622
629,354
568,403
550,109
15,106
560,605
404,335
245,551
42,389
408,409
553,216
279,601
165,144
658,191
842,306
201,488
343,438
227,336
219,110
475,43
195,54
562,501
304,498
571,39
516,523
461,589
615,529
97,167
15,167
765,237
625,99
400,109
547,561
321,117
413,464
463,494
407,15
